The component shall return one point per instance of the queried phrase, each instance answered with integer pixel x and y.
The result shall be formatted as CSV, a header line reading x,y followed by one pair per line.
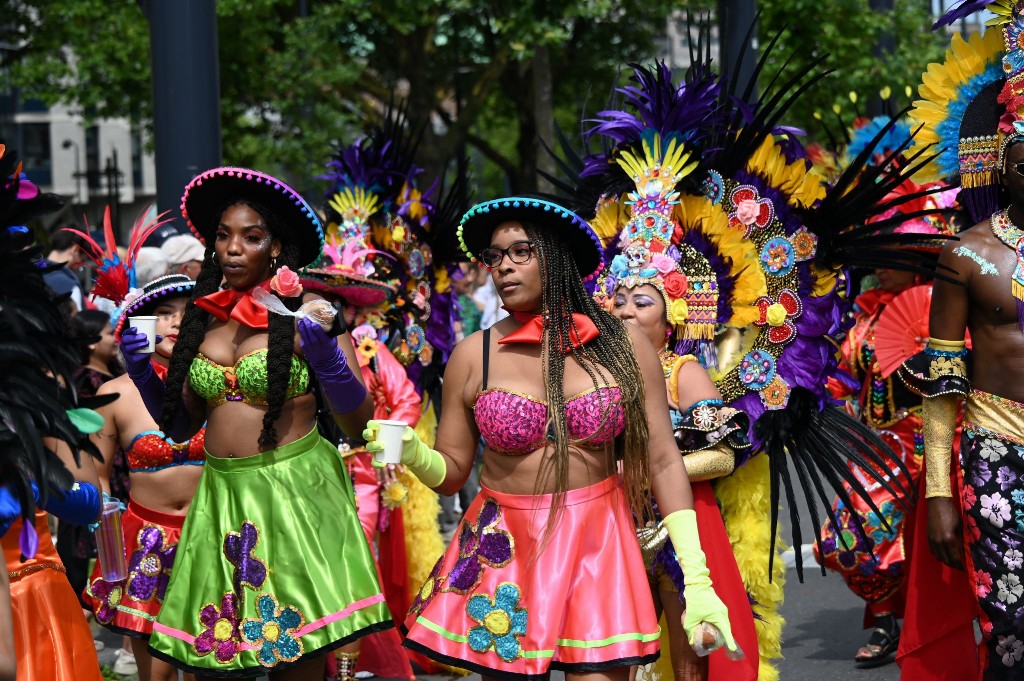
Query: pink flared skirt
x,y
501,604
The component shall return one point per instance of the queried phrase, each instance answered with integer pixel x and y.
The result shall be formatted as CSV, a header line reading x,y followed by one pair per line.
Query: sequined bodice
x,y
513,423
151,451
246,381
883,401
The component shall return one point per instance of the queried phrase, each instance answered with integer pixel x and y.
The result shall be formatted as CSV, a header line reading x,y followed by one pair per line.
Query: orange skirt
x,y
51,636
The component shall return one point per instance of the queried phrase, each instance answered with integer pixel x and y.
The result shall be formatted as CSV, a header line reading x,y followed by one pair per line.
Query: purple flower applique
x,y
149,569
430,588
249,571
846,542
1005,477
109,596
980,473
221,635
479,545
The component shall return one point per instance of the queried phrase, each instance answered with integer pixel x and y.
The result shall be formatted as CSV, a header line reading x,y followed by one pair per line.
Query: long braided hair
x,y
612,352
281,331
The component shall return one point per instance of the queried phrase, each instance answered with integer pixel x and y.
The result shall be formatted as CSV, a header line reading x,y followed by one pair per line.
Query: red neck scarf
x,y
532,330
238,305
159,369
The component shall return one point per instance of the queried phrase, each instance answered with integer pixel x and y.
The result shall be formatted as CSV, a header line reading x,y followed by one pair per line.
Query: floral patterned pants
x,y
993,499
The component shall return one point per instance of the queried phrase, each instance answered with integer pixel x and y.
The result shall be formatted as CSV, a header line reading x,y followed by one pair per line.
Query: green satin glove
x,y
425,463
702,603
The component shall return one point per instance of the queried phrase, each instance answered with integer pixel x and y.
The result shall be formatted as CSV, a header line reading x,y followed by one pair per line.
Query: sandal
x,y
879,649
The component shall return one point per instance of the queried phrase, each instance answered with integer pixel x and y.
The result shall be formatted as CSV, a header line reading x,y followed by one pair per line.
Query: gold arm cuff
x,y
946,345
716,462
939,428
673,375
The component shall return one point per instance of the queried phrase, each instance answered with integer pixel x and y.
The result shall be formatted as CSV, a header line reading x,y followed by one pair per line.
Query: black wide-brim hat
x,y
169,286
584,245
208,193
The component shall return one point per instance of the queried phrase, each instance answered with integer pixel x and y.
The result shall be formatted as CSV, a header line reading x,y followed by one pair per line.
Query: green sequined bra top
x,y
246,381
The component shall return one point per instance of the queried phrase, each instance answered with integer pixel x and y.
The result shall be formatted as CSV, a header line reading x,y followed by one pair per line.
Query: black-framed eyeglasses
x,y
1018,168
519,252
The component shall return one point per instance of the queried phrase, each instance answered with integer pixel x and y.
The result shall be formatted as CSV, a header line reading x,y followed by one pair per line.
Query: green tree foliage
x,y
848,33
488,77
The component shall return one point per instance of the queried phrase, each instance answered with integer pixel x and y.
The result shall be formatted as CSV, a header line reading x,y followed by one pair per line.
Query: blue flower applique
x,y
501,622
274,632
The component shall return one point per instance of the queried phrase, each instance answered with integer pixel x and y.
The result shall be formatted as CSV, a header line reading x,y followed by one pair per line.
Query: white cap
x,y
183,248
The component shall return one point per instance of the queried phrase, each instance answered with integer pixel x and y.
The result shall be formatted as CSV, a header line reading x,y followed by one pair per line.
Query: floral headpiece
x,y
958,114
648,256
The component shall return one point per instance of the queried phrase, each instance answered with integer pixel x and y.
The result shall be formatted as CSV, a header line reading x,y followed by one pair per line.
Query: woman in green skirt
x,y
272,569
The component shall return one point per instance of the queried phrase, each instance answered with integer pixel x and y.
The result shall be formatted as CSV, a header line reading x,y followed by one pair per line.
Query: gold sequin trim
x,y
14,575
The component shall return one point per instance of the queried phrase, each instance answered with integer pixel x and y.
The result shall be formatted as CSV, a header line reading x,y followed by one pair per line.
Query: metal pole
x,y
735,19
885,46
186,97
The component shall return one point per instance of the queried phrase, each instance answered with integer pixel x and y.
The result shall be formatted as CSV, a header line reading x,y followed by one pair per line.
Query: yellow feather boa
x,y
423,542
746,508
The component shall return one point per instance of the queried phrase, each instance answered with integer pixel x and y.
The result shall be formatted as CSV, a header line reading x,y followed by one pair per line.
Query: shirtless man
x,y
982,300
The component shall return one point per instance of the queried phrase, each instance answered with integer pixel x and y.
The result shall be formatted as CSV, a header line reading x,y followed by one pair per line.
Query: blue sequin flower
x,y
893,517
501,622
274,632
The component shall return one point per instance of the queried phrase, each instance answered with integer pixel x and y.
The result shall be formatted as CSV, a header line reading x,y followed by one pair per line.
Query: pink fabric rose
x,y
286,283
663,263
747,211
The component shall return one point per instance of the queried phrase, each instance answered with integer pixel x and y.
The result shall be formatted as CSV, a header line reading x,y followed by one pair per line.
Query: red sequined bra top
x,y
150,451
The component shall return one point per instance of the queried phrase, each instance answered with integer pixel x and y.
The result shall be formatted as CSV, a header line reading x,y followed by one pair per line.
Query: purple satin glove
x,y
133,345
340,386
140,370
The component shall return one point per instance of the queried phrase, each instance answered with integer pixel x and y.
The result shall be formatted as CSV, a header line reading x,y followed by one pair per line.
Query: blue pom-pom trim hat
x,y
584,245
167,286
208,192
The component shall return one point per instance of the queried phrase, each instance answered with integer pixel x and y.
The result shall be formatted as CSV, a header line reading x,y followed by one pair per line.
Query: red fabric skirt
x,y
381,653
503,603
129,606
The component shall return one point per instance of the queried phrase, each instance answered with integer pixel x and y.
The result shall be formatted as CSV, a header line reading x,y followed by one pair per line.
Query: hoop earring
x,y
273,264
213,257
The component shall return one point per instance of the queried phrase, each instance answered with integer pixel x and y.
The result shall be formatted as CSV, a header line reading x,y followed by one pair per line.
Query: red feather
x,y
113,275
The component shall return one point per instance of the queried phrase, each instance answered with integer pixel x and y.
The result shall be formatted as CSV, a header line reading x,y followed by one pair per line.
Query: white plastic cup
x,y
147,325
390,435
110,542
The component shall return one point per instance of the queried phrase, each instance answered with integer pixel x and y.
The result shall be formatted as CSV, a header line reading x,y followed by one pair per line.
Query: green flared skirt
x,y
272,566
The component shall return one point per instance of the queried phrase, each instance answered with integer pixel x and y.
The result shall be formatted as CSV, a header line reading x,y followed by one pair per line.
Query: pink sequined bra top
x,y
515,424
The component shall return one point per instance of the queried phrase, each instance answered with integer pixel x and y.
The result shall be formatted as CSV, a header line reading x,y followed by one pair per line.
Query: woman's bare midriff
x,y
233,428
520,474
169,490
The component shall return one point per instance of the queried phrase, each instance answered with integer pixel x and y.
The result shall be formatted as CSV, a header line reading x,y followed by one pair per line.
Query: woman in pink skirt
x,y
545,571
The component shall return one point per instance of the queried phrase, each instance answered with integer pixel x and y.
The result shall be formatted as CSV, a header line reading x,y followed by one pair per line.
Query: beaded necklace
x,y
1011,235
668,360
